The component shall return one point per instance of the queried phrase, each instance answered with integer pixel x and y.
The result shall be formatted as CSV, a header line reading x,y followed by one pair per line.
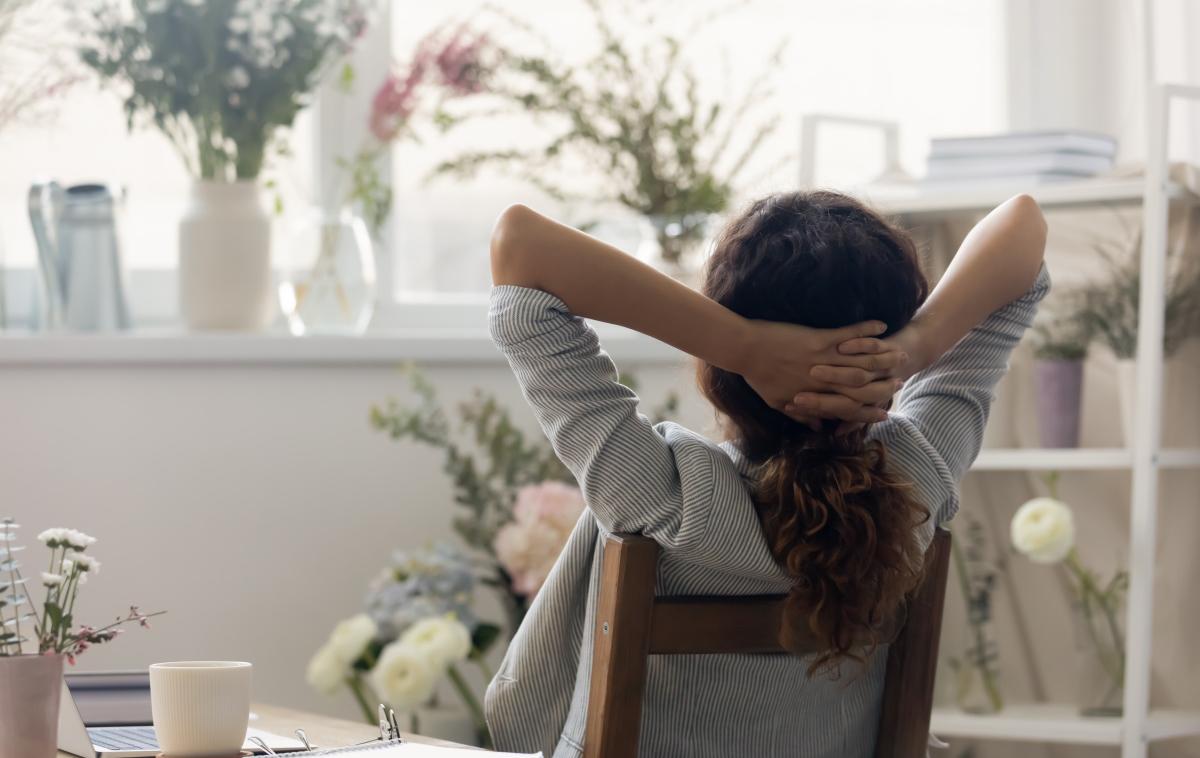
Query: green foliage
x,y
219,78
977,574
487,457
368,189
631,115
1109,308
483,638
1065,335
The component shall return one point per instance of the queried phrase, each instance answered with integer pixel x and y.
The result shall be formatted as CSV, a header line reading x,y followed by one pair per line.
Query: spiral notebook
x,y
398,749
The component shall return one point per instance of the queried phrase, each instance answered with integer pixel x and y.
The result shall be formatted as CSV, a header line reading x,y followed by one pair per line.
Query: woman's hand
x,y
782,362
850,391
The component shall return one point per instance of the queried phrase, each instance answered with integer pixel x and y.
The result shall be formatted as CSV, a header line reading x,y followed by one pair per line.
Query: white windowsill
x,y
175,347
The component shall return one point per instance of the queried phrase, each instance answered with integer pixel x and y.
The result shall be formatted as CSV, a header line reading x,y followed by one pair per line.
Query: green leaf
x,y
53,613
484,636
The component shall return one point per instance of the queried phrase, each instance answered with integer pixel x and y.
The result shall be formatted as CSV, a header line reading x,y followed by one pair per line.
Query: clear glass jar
x,y
678,245
328,267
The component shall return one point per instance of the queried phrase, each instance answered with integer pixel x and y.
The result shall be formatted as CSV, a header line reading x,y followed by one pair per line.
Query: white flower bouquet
x,y
417,629
219,78
51,629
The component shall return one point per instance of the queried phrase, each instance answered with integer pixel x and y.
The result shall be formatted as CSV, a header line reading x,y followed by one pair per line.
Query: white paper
x,y
415,750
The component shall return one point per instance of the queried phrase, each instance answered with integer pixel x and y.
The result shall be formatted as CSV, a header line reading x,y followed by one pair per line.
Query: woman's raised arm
x,y
599,282
997,263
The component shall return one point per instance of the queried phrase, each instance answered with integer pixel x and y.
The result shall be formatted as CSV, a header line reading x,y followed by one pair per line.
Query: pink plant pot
x,y
1059,389
30,688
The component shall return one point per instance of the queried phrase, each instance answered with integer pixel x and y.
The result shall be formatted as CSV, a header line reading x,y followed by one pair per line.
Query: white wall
x,y
251,503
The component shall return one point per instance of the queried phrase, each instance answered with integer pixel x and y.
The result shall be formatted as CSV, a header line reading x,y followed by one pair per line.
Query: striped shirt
x,y
691,496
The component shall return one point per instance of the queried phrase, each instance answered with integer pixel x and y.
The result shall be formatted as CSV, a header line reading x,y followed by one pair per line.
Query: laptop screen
x,y
111,698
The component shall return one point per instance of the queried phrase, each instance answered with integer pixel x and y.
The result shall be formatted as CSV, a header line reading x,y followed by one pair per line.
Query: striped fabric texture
x,y
691,496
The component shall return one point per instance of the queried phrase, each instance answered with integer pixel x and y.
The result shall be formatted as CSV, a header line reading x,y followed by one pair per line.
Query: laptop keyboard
x,y
123,737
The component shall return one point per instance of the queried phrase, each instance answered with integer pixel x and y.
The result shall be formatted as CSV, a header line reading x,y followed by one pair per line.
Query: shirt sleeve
x,y
632,478
949,401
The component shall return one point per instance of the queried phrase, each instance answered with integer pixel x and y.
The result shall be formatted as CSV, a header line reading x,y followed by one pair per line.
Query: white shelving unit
x,y
1139,726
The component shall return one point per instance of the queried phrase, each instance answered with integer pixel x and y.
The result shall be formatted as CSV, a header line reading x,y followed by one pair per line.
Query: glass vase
x,y
976,687
1101,656
677,245
328,284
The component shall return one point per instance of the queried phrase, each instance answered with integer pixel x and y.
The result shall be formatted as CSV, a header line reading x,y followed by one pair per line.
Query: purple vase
x,y
1058,385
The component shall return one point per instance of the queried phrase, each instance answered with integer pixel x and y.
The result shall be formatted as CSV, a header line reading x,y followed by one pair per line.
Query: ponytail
x,y
845,529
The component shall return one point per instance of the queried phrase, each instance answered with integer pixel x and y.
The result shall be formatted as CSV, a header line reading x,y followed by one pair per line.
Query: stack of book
x,y
1021,157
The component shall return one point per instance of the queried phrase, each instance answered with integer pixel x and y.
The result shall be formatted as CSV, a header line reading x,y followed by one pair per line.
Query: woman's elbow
x,y
1032,223
507,247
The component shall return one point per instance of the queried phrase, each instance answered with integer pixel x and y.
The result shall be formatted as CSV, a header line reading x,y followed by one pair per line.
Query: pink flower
x,y
460,63
457,66
528,546
394,103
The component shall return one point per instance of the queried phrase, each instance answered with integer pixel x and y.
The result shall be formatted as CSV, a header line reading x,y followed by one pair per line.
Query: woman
x,y
814,310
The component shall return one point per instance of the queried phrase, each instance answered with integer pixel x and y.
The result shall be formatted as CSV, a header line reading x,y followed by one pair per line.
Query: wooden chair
x,y
632,624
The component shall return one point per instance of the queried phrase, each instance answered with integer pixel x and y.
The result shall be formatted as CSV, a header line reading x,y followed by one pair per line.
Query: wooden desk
x,y
322,731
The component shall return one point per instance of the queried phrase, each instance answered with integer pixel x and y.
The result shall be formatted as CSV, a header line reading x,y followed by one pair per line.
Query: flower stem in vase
x,y
1102,691
324,271
357,687
472,703
976,665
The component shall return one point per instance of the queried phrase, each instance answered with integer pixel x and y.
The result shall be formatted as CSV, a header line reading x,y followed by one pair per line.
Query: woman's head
x,y
834,517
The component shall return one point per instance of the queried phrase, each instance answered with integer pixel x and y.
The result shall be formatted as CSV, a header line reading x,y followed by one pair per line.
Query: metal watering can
x,y
79,258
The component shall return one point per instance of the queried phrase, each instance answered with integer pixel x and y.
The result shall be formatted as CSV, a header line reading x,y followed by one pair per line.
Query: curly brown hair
x,y
834,516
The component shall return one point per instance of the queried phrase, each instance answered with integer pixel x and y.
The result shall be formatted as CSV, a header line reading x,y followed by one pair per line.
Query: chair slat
x,y
620,647
912,662
702,625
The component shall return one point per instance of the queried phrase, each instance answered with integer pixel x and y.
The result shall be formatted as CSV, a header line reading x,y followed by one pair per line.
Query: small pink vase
x,y
30,688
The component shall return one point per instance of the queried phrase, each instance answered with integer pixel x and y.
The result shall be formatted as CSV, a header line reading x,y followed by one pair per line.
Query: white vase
x,y
30,686
1127,395
225,257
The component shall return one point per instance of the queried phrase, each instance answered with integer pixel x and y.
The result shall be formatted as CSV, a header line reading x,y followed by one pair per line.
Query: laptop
x,y
107,715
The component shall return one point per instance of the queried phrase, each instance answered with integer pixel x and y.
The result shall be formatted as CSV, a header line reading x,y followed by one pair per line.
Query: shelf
x,y
1179,458
917,199
1078,459
1059,724
1035,459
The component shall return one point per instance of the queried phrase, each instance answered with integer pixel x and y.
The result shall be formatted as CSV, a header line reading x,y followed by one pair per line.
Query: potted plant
x,y
628,126
1060,347
1109,311
221,79
34,640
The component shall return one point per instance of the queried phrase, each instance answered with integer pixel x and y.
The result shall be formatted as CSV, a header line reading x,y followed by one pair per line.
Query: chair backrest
x,y
632,624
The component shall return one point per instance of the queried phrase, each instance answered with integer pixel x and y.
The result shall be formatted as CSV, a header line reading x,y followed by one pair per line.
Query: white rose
x,y
326,671
441,639
51,580
1044,530
404,676
351,637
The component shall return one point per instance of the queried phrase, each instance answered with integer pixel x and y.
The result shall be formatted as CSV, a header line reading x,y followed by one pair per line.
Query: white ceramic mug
x,y
200,708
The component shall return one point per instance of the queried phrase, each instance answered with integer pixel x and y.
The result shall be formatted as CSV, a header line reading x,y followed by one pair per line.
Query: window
x,y
936,66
